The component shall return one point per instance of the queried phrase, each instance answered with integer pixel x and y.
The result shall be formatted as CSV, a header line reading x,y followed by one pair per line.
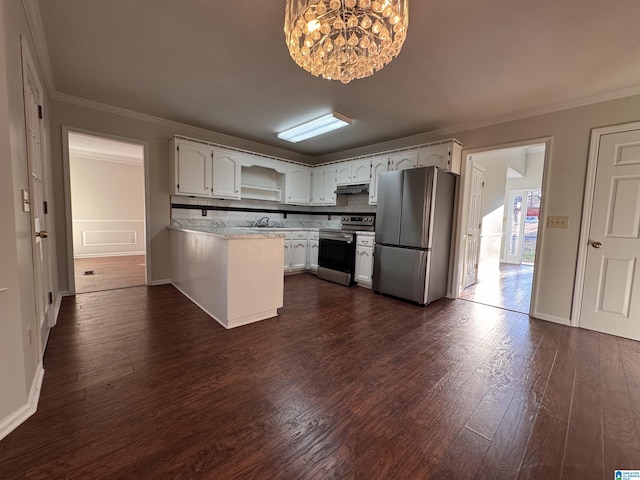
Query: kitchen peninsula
x,y
234,275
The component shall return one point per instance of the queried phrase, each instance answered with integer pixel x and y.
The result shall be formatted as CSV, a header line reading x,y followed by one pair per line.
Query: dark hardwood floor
x,y
109,273
344,384
507,286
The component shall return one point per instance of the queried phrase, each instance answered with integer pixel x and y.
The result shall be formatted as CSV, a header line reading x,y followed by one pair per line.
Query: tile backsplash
x,y
239,218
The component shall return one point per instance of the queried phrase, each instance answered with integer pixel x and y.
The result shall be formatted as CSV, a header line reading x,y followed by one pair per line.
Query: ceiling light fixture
x,y
345,39
315,127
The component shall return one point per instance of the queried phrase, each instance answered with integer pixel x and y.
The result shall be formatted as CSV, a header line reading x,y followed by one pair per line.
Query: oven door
x,y
336,257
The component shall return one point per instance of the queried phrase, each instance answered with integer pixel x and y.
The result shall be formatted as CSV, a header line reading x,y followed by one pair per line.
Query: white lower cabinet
x,y
364,260
295,252
287,255
312,250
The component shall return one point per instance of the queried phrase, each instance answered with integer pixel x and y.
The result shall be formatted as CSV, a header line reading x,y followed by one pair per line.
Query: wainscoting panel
x,y
103,238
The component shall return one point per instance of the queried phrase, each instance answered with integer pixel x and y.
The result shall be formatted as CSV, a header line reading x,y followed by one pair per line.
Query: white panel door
x,y
361,171
317,186
226,174
313,254
37,200
194,174
329,197
378,165
611,294
343,173
474,224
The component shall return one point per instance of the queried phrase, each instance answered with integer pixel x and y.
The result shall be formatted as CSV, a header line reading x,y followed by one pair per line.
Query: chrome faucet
x,y
263,222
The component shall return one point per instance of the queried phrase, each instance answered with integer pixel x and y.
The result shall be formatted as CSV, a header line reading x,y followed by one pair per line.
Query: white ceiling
x,y
224,66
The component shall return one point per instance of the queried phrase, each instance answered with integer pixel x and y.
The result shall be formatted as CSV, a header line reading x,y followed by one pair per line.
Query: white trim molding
x,y
551,318
587,210
17,418
157,283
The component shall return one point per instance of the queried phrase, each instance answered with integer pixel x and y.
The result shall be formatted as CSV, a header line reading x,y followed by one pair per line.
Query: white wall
x,y
107,202
570,130
19,353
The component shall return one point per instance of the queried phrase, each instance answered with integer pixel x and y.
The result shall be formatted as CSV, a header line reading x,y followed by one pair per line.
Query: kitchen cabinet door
x,y
378,165
313,248
298,255
361,171
317,186
446,156
226,174
405,160
287,256
298,183
329,196
343,173
364,266
192,169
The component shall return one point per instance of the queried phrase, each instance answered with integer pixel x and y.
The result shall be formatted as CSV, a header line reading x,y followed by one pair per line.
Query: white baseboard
x,y
551,318
114,254
66,293
56,307
18,417
166,281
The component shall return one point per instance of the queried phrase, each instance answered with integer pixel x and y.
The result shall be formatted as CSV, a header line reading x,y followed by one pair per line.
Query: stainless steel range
x,y
337,252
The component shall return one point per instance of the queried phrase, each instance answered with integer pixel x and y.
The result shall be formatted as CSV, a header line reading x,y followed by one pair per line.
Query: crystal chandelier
x,y
345,39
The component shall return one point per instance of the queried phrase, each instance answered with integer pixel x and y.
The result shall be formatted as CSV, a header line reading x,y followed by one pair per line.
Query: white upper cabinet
x,y
343,173
404,160
317,186
378,165
298,185
329,197
447,156
361,171
323,185
353,172
192,169
226,174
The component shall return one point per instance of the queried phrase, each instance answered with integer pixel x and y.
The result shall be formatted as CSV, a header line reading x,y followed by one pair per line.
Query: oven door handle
x,y
336,236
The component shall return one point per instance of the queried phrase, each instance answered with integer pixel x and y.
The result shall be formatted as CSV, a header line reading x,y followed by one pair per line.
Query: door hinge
x,y
50,298
45,207
40,112
178,148
482,184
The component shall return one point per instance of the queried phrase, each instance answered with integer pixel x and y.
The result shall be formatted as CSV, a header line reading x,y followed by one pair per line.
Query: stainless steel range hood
x,y
353,189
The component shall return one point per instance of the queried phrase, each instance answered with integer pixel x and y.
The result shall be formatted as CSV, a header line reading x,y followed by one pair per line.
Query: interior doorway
x,y
503,263
108,218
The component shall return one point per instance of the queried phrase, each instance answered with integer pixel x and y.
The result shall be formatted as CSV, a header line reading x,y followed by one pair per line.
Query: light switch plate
x,y
557,222
26,205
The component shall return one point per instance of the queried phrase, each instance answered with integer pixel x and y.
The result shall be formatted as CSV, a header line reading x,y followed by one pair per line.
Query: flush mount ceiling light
x,y
345,39
315,127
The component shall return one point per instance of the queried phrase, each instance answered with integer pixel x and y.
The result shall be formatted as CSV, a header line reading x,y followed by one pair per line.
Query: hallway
x,y
508,287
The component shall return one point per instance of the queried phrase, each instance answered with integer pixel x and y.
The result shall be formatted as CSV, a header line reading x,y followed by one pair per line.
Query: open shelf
x,y
256,192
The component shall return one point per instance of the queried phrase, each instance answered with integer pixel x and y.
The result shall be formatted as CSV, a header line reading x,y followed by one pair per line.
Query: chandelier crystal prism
x,y
345,39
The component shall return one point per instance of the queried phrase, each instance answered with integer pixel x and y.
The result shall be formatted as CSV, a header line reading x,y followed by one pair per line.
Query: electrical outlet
x,y
204,212
558,222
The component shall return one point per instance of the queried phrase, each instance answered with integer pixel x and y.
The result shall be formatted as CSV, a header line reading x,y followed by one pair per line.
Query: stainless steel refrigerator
x,y
413,234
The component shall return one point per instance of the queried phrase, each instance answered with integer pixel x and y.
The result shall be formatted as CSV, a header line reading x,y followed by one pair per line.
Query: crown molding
x,y
42,52
32,12
220,138
433,135
106,157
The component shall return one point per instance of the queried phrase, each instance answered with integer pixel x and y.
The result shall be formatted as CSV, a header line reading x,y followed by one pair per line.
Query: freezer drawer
x,y
401,272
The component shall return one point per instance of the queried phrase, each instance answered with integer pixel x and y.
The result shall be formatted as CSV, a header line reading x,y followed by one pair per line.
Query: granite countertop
x,y
231,232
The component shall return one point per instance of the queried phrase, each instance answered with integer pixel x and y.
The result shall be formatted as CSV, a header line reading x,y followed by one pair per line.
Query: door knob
x,y
596,244
42,234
